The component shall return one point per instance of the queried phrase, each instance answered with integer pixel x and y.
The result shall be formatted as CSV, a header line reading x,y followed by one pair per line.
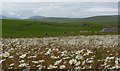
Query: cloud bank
x,y
59,9
59,0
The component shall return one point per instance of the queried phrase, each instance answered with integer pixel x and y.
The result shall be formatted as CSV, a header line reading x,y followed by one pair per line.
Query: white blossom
x,y
62,66
23,56
73,61
58,62
12,64
6,54
22,65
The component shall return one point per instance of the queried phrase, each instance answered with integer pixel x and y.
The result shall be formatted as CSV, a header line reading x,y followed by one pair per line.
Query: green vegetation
x,y
0,28
37,28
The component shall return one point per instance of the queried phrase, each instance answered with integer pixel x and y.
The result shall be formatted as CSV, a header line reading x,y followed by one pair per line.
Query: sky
x,y
59,0
58,9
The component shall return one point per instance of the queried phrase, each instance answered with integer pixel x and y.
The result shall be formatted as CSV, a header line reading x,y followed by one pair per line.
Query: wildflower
x,y
77,52
52,67
10,56
65,62
48,52
32,56
90,61
83,63
6,54
58,62
66,57
23,56
63,55
39,66
22,65
73,61
117,62
78,67
85,54
36,62
108,51
78,63
21,61
99,60
82,51
89,52
113,67
12,64
54,57
79,57
2,60
117,66
62,66
111,58
41,61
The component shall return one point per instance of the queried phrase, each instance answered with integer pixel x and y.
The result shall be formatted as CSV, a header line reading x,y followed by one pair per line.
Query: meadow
x,y
30,28
59,43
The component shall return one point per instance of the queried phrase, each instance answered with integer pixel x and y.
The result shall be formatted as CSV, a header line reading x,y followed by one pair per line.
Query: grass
x,y
28,28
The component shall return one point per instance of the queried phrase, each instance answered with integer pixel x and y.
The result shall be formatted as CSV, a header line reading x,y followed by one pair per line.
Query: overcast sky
x,y
59,9
59,0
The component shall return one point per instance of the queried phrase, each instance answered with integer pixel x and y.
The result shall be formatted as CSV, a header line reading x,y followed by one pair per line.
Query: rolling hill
x,y
3,17
42,27
111,18
36,17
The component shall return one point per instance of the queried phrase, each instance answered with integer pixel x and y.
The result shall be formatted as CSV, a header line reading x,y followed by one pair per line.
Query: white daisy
x,y
73,61
23,56
22,65
62,66
58,62
78,63
6,54
12,64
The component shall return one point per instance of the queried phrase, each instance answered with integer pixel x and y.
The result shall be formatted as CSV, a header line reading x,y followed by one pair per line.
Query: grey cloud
x,y
61,9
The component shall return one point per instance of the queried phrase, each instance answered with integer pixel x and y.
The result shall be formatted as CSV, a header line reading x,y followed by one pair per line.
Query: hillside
x,y
36,17
53,26
112,18
3,17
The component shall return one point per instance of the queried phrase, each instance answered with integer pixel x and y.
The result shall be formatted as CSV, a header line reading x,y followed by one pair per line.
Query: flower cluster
x,y
73,52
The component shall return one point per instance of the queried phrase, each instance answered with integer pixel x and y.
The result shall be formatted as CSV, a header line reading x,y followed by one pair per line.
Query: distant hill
x,y
111,18
108,18
3,17
36,17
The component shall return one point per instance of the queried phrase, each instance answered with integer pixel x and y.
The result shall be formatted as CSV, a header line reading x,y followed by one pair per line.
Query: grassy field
x,y
29,28
94,51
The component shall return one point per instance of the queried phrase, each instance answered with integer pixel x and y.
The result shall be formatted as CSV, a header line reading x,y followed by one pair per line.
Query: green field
x,y
32,28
